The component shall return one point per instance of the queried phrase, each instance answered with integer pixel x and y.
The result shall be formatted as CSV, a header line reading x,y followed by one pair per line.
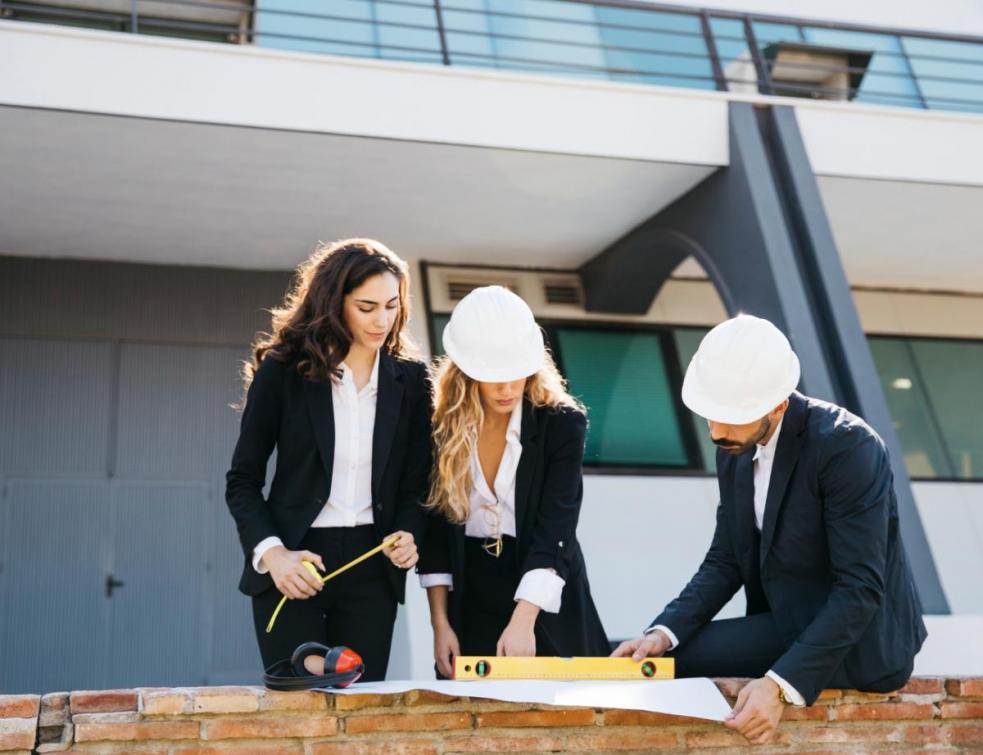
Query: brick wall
x,y
929,714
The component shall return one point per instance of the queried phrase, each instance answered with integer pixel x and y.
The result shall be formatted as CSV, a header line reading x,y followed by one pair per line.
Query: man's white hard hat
x,y
744,368
493,337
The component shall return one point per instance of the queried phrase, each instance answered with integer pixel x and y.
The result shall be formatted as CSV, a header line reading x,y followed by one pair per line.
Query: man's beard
x,y
743,448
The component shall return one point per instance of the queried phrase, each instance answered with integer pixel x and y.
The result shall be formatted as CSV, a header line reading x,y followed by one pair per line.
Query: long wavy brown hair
x,y
310,324
457,419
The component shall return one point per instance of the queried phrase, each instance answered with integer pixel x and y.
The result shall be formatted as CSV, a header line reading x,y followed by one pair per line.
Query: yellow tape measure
x,y
477,668
313,570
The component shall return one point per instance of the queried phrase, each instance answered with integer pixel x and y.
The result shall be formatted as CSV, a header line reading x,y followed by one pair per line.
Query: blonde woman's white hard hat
x,y
493,337
744,368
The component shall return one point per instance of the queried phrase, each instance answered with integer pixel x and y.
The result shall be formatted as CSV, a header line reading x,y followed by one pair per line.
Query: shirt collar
x,y
767,451
348,377
514,431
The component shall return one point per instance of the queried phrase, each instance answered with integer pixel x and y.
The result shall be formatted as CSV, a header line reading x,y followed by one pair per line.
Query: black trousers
x,y
747,646
489,598
356,609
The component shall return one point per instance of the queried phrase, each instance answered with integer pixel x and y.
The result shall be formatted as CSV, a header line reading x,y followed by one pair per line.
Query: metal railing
x,y
617,40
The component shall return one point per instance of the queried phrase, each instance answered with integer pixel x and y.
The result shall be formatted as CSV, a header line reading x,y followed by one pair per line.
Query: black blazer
x,y
548,492
296,415
831,560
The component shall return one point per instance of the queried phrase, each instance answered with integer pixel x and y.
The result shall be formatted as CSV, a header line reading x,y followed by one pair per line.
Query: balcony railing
x,y
614,40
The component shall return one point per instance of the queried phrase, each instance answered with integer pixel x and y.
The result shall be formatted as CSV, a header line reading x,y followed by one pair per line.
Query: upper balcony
x,y
237,132
608,40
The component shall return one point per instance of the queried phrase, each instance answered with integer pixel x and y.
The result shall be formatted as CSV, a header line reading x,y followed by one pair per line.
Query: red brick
x,y
265,728
926,734
165,702
426,697
19,706
226,700
963,735
403,747
17,733
856,696
408,722
236,749
357,702
54,709
719,737
103,701
926,685
883,711
965,686
846,734
604,741
297,701
962,710
541,718
829,694
617,717
505,743
136,732
812,713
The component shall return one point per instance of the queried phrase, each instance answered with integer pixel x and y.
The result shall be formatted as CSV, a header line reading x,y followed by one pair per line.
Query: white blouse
x,y
541,587
349,502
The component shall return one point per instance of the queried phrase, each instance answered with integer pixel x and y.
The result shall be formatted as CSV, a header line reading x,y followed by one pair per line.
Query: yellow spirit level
x,y
477,668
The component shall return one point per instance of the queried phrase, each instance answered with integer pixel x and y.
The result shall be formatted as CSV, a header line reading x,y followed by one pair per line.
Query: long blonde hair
x,y
457,420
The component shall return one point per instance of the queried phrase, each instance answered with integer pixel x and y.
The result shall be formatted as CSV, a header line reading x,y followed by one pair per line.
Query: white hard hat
x,y
493,337
744,368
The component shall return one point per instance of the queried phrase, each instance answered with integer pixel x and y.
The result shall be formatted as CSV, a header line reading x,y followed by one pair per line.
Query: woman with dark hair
x,y
502,566
334,390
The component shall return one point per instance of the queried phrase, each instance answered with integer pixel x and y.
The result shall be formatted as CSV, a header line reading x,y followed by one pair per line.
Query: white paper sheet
x,y
697,698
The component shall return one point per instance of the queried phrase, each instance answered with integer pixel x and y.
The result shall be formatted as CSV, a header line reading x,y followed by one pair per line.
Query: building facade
x,y
636,171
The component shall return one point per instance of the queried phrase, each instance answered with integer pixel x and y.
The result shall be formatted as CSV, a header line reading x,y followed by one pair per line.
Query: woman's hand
x,y
403,553
519,637
290,575
445,649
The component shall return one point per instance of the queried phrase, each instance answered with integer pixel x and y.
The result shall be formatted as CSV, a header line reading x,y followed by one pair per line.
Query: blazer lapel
x,y
527,462
786,456
389,398
321,407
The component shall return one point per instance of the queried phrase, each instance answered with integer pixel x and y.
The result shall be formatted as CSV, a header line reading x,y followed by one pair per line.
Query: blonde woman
x,y
503,570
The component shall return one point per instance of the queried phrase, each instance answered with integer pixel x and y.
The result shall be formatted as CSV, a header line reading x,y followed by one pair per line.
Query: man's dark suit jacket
x,y
296,416
548,492
832,565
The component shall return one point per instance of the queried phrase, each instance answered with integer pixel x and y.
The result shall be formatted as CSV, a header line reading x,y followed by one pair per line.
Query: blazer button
x,y
561,543
378,507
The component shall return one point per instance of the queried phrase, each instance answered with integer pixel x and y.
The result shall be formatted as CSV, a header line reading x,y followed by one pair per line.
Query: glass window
x,y
361,28
950,74
734,53
623,379
655,47
952,371
687,342
911,414
932,388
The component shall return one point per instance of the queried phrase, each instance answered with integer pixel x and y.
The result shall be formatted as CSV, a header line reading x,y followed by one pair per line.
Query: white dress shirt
x,y
764,459
349,502
541,587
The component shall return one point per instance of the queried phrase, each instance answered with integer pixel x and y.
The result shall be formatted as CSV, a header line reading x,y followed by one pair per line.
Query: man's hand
x,y
651,645
757,712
